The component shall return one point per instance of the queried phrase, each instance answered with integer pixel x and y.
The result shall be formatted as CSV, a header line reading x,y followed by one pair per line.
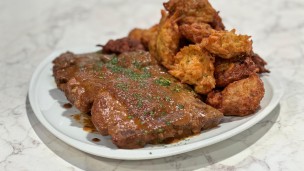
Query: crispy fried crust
x,y
228,44
228,71
122,45
144,35
219,59
194,66
167,41
195,32
260,63
191,11
217,23
239,98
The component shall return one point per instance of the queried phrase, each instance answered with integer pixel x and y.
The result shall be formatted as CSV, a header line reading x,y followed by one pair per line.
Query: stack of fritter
x,y
192,43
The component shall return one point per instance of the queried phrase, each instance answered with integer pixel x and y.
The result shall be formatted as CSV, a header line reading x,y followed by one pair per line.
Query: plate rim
x,y
277,93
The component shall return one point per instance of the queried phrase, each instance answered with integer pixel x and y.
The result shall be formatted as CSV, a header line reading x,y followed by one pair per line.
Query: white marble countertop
x,y
30,30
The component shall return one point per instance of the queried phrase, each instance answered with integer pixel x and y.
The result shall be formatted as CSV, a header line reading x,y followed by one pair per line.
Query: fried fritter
x,y
167,41
194,66
239,98
195,32
122,45
144,35
217,23
191,11
260,63
228,71
228,44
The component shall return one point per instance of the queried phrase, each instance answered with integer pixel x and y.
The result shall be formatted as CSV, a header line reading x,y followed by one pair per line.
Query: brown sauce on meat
x,y
67,105
85,121
95,139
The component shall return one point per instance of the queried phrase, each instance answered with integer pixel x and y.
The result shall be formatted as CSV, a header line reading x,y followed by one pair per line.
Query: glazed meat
x,y
131,98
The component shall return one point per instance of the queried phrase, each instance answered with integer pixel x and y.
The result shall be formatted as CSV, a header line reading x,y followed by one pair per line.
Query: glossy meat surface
x,y
132,98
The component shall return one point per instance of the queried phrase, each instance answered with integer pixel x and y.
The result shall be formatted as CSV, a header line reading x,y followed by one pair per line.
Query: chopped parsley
x,y
167,98
122,86
137,64
130,117
114,60
140,103
177,88
163,82
160,130
179,106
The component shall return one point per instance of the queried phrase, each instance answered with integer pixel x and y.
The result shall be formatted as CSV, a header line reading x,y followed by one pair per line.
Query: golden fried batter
x,y
167,41
195,32
144,35
239,98
228,71
194,66
191,11
217,23
260,63
228,44
216,58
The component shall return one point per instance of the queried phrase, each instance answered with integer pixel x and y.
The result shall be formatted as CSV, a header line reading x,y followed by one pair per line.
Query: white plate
x,y
46,101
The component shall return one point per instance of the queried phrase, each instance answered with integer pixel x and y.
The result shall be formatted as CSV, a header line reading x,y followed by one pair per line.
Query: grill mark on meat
x,y
132,98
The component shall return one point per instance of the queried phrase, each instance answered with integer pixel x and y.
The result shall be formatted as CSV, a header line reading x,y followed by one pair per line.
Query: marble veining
x,y
31,30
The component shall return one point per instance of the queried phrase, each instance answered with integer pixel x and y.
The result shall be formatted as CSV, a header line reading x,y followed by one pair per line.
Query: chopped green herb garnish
x,y
168,123
137,64
167,99
160,130
136,95
157,97
101,75
130,117
114,60
151,113
163,82
140,103
97,66
122,86
142,84
163,113
177,88
179,106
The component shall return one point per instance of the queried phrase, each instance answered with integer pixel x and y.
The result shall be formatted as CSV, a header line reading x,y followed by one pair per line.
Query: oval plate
x,y
46,101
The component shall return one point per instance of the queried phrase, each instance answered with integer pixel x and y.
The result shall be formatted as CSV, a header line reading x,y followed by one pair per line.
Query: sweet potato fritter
x,y
239,98
167,41
195,32
228,44
194,66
